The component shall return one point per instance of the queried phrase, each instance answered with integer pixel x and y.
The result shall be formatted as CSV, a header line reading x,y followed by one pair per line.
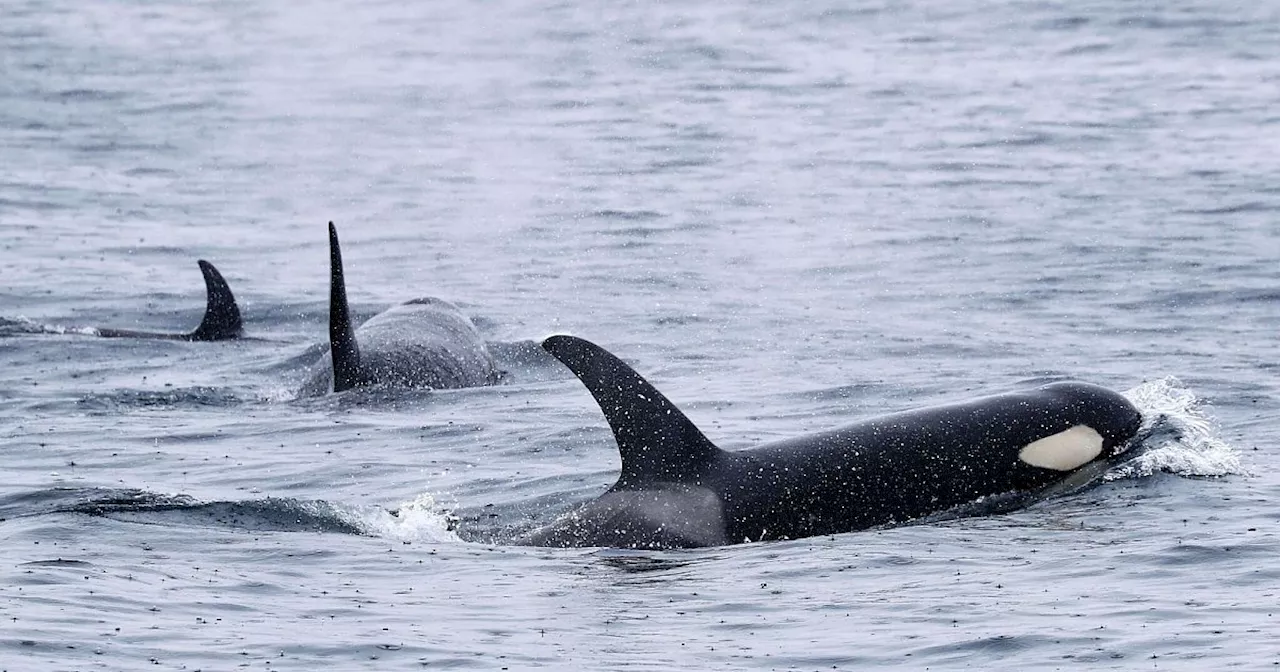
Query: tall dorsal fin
x,y
221,315
342,336
655,440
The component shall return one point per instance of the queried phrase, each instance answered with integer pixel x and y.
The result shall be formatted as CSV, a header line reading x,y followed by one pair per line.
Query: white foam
x,y
30,326
1184,439
418,521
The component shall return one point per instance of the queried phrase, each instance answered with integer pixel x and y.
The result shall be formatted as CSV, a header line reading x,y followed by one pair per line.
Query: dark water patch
x,y
164,109
51,500
85,95
979,182
567,36
1199,298
647,562
1065,23
1090,48
1158,22
59,563
1205,556
1024,140
985,648
679,320
391,399
113,402
31,125
263,515
762,69
37,205
847,13
674,165
866,390
1251,206
142,249
966,166
266,515
150,172
892,92
624,215
570,104
114,145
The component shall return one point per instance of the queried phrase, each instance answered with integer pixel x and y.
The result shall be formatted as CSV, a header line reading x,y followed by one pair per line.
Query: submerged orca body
x,y
221,315
422,343
677,489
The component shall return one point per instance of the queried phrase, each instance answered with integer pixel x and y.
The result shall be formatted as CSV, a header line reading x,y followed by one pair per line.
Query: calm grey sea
x,y
788,216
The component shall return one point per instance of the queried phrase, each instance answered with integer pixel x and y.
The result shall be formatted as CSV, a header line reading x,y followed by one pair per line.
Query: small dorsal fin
x,y
221,315
342,336
655,440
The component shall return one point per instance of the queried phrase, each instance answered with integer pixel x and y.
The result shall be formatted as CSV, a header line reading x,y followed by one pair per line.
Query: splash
x,y
24,325
1179,436
418,520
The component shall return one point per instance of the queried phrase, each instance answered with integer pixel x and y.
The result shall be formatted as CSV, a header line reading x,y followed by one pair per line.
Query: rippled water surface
x,y
787,216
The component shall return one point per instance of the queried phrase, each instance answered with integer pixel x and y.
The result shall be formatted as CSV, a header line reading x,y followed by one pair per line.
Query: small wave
x,y
23,325
184,396
418,520
262,515
59,563
1180,437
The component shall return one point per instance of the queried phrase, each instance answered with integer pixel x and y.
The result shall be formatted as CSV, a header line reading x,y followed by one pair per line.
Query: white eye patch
x,y
1065,450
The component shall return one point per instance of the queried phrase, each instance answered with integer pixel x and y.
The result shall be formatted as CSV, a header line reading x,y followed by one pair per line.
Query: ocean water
x,y
787,216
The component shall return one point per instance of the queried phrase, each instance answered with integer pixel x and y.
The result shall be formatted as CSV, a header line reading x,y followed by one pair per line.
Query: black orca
x,y
422,343
677,489
221,315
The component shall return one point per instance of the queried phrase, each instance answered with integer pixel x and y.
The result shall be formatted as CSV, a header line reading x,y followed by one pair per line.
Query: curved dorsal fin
x,y
221,315
342,336
655,440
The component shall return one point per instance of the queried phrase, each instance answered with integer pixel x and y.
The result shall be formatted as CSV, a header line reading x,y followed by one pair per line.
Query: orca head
x,y
1101,424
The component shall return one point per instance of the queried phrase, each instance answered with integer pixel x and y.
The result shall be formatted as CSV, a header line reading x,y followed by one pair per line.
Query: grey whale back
x,y
423,343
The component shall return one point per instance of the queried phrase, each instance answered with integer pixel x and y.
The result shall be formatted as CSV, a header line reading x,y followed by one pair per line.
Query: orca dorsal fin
x,y
655,440
221,315
342,336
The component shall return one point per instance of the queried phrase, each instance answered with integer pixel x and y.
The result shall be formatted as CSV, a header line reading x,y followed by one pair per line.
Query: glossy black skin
x,y
423,343
221,314
677,489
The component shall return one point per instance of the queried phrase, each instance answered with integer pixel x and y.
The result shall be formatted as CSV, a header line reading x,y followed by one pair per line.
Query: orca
x,y
422,343
221,315
678,490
